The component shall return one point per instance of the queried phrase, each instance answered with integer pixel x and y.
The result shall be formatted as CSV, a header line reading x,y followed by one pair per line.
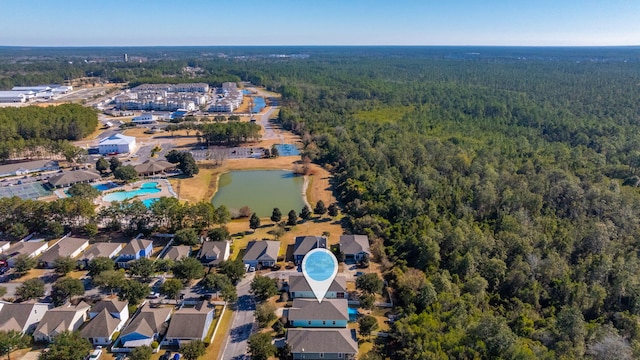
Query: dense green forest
x,y
43,132
496,195
499,190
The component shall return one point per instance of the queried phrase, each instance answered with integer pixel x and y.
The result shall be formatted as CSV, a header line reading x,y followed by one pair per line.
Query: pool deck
x,y
165,190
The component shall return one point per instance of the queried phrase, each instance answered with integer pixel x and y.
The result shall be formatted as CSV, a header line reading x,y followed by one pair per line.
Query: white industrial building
x,y
12,97
118,143
55,89
21,94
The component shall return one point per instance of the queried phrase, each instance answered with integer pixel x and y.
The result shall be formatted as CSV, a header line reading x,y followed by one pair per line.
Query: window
x,y
309,322
334,322
324,322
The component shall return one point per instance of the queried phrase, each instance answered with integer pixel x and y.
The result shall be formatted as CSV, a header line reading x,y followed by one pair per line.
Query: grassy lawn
x,y
32,274
214,349
195,188
364,347
378,313
213,324
77,274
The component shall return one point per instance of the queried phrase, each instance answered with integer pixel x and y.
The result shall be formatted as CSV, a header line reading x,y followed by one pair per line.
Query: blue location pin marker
x,y
319,267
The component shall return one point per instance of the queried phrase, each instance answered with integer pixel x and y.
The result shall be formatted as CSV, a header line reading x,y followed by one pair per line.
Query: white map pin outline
x,y
319,288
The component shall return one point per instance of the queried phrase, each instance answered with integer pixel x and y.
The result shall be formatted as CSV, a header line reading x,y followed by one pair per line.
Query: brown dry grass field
x,y
138,133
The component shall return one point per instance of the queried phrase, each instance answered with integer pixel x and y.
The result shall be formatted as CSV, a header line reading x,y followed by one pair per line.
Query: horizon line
x,y
317,45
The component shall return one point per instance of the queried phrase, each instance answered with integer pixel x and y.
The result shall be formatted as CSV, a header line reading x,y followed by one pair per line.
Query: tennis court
x,y
287,150
25,191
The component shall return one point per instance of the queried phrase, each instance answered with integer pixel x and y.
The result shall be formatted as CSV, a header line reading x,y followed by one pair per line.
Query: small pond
x,y
258,104
261,191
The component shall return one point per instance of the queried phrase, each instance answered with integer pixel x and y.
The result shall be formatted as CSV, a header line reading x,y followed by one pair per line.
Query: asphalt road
x,y
269,133
49,277
243,323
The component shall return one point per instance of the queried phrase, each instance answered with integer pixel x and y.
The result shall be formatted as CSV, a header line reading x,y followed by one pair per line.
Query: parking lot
x,y
228,153
144,152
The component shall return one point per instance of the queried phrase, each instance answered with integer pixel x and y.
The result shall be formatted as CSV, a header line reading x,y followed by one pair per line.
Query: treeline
x,y
63,122
215,81
43,132
40,149
19,218
228,134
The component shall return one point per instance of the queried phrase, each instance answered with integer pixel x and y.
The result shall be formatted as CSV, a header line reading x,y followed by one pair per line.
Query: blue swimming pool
x,y
145,189
105,186
148,202
353,313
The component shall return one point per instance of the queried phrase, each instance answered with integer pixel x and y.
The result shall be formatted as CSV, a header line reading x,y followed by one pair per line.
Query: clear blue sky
x,y
319,22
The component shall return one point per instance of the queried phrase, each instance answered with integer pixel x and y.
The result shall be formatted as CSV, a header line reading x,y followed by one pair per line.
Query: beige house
x,y
177,252
21,317
102,249
188,324
66,247
29,248
63,318
107,317
214,252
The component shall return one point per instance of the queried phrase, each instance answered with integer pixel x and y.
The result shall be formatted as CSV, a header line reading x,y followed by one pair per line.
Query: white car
x,y
96,354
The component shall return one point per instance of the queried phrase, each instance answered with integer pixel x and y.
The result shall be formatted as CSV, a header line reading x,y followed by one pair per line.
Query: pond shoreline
x,y
260,189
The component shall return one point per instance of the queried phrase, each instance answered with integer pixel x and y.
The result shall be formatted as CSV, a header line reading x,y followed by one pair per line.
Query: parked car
x,y
276,267
96,354
289,266
358,273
